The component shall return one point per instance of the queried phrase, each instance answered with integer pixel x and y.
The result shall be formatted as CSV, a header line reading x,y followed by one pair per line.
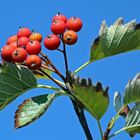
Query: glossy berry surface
x,y
13,45
59,16
11,39
58,27
33,47
70,37
22,41
33,62
19,55
24,32
6,53
74,23
52,42
35,36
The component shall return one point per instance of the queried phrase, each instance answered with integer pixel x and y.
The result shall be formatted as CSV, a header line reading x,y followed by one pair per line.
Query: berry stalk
x,y
51,64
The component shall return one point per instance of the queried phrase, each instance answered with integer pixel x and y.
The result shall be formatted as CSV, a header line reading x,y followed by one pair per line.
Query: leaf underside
x,y
14,81
132,91
132,125
32,109
117,101
116,39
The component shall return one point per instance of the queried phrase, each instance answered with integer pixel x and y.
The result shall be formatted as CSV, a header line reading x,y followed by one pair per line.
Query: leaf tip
x,y
119,21
103,28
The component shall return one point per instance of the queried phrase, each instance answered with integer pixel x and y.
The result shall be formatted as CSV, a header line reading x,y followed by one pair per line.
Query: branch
x,y
82,119
106,134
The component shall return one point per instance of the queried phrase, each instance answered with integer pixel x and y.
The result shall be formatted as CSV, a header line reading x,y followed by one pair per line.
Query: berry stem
x,y
60,50
51,64
65,56
48,68
55,81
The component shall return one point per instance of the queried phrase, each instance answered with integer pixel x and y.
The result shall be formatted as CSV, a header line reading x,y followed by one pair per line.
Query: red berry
x,y
11,39
6,53
60,17
33,47
19,55
36,36
52,42
33,62
22,41
70,37
24,32
58,27
74,23
13,45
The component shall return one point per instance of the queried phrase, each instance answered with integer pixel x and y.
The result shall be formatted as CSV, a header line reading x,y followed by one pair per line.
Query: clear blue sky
x,y
60,121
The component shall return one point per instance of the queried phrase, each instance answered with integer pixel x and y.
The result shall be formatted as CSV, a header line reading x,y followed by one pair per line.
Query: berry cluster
x,y
63,29
25,46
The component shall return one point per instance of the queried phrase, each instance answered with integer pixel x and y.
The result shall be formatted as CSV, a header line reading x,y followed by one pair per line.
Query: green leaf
x,y
14,81
132,125
132,91
33,108
94,98
116,39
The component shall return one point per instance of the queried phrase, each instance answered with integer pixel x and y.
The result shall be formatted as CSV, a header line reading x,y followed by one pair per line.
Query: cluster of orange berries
x,y
25,46
64,27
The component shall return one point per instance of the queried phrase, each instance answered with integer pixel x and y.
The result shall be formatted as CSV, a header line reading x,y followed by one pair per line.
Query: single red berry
x,y
74,23
35,36
22,41
59,16
58,27
14,45
6,53
24,32
33,47
52,42
11,39
33,62
70,37
19,55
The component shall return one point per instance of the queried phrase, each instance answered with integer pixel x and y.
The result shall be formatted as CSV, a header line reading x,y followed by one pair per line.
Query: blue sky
x,y
60,121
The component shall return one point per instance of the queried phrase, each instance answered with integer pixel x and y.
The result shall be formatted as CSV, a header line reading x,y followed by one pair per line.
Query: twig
x,y
51,64
106,134
65,56
112,122
81,116
48,68
60,50
53,79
